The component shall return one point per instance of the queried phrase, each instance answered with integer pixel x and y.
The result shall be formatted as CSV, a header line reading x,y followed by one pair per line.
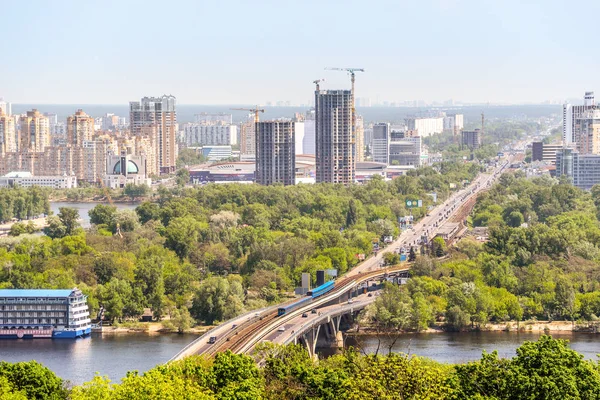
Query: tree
x,y
125,221
218,299
181,319
438,246
189,157
31,377
390,258
515,219
17,229
55,227
182,177
102,214
135,191
148,211
412,255
546,369
70,218
182,234
352,214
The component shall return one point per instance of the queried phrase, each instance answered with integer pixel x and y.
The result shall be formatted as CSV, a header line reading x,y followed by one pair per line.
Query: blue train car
x,y
321,290
285,309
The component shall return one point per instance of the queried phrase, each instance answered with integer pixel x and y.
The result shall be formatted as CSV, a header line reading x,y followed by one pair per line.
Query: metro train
x,y
310,296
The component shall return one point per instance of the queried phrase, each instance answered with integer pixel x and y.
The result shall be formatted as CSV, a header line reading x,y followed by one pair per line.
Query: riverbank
x,y
511,326
154,328
39,223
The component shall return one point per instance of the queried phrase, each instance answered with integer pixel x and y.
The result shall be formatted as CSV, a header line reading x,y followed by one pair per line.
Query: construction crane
x,y
253,110
317,83
350,71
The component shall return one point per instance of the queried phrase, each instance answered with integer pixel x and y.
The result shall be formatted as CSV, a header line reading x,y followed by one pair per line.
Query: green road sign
x,y
414,203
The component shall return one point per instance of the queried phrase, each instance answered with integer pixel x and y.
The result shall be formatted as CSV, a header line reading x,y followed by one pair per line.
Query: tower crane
x,y
350,71
317,83
255,110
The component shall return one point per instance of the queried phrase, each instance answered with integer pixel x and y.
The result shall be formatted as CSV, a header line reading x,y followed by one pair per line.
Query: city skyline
x,y
480,52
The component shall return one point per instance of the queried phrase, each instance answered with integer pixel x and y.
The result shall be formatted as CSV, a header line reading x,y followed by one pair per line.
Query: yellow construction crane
x,y
253,110
350,71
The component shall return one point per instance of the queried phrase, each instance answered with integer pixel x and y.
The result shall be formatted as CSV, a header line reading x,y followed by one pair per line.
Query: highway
x,y
242,333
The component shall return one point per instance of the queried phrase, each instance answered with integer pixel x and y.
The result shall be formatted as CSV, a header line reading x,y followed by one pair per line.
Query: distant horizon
x,y
206,52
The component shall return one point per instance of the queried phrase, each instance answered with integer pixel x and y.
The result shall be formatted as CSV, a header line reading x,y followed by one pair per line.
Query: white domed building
x,y
124,169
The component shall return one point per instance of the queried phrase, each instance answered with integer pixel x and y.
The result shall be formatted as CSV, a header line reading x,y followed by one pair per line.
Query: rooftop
x,y
19,174
35,292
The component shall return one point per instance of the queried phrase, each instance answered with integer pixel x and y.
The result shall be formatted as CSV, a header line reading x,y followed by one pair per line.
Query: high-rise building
x,y
5,106
159,114
571,113
454,123
582,169
404,150
275,152
248,136
201,134
334,137
7,133
426,126
34,133
588,127
545,152
360,139
471,139
381,142
214,119
80,127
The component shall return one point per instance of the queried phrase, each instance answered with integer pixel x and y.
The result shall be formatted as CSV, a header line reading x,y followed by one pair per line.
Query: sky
x,y
247,52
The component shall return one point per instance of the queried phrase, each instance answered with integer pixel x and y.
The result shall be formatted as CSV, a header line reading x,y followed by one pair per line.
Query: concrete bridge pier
x,y
309,339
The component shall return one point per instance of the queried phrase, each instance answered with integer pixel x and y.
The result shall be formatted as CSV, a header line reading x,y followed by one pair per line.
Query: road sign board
x,y
414,203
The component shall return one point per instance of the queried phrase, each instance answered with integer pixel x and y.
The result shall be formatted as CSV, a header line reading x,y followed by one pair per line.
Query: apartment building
x,y
275,152
335,144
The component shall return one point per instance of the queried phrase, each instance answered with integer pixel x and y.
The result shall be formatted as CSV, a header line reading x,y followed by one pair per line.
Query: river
x,y
455,347
112,355
84,208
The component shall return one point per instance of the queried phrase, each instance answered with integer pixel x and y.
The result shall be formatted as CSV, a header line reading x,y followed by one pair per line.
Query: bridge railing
x,y
190,348
333,313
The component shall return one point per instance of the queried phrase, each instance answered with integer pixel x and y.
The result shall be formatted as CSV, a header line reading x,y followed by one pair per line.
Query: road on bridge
x,y
240,334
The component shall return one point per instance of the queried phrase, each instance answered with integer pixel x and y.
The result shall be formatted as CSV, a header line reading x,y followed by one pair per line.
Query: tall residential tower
x,y
275,152
335,146
156,116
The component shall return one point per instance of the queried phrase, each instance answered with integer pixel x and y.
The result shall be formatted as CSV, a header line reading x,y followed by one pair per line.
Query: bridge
x,y
324,315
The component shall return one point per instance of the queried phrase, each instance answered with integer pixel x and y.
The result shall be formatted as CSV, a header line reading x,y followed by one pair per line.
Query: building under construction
x,y
275,152
335,150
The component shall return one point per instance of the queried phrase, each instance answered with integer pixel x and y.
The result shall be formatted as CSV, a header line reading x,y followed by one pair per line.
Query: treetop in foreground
x,y
546,369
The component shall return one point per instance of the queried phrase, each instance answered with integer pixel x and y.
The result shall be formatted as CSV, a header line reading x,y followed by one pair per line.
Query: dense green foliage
x,y
189,157
546,369
216,250
23,203
541,262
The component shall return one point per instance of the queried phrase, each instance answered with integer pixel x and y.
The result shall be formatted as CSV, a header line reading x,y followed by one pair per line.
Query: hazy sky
x,y
225,51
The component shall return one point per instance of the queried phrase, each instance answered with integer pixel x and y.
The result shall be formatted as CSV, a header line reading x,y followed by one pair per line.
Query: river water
x,y
461,347
84,208
112,355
